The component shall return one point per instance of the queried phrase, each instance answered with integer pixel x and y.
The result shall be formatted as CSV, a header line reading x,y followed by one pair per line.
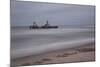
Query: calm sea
x,y
26,42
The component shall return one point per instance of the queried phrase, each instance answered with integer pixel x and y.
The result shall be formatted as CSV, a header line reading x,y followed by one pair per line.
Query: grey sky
x,y
25,13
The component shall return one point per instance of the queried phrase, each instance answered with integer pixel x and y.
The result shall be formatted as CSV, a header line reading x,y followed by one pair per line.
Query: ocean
x,y
25,42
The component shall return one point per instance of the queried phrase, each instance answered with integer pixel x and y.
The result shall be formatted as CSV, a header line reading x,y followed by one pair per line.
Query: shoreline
x,y
82,53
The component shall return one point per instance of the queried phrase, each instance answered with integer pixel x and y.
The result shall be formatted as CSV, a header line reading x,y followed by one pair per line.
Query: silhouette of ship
x,y
46,26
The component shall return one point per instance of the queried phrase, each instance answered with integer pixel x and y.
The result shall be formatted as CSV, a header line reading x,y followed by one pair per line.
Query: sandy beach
x,y
84,53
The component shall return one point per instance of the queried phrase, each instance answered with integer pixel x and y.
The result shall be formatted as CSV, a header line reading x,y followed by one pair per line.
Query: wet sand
x,y
84,53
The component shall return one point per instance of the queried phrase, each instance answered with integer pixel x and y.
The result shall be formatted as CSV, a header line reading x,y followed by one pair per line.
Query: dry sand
x,y
83,53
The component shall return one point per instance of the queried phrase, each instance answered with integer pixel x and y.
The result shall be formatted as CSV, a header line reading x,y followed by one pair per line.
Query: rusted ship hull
x,y
43,27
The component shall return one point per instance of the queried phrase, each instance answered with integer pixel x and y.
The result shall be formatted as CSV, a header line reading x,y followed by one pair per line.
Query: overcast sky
x,y
25,13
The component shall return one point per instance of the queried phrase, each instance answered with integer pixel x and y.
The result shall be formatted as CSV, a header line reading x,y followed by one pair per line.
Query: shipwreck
x,y
45,26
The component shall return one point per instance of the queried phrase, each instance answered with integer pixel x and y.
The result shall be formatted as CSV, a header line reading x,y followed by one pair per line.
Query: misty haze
x,y
74,33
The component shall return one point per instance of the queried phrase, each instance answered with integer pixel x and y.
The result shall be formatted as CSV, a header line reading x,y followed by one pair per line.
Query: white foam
x,y
49,47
